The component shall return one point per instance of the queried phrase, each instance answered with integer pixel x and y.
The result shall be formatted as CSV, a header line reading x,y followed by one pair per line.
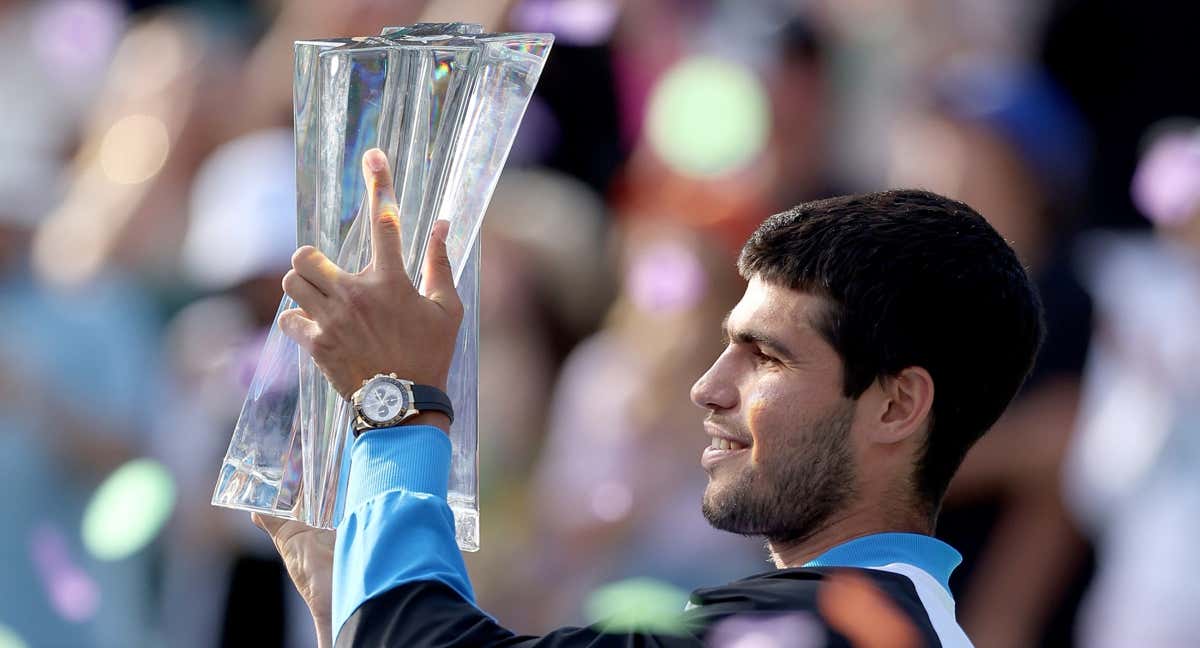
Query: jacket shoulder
x,y
797,591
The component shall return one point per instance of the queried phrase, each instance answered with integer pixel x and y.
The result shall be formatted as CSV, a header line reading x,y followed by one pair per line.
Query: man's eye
x,y
759,356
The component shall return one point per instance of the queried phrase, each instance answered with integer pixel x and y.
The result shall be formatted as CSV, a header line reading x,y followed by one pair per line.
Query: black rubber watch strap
x,y
431,399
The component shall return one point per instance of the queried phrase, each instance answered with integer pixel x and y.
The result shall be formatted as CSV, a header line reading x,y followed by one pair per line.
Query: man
x,y
878,338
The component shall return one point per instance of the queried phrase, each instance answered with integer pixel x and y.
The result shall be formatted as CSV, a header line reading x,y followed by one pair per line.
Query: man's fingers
x,y
308,296
317,268
295,324
268,523
387,250
437,278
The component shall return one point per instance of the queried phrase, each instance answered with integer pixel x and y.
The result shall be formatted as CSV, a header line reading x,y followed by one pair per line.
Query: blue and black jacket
x,y
399,578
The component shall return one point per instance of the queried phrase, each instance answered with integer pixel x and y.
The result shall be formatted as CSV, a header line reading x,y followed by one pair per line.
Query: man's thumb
x,y
437,277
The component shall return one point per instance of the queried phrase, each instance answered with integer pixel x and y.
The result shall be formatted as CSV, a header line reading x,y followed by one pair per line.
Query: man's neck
x,y
837,530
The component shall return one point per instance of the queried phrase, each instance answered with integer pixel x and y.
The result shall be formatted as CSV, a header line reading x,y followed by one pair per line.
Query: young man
x,y
878,338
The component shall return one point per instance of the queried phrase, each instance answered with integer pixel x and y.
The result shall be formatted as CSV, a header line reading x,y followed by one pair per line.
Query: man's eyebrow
x,y
751,336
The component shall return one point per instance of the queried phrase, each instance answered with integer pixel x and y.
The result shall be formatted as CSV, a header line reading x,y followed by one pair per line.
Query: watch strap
x,y
427,398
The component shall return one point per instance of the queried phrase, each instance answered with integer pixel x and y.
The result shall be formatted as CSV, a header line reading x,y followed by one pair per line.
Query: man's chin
x,y
715,489
716,504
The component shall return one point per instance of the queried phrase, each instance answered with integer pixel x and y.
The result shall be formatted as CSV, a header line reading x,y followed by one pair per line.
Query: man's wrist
x,y
435,419
324,629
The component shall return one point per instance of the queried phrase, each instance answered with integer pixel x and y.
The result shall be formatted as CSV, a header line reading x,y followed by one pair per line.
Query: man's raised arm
x,y
398,576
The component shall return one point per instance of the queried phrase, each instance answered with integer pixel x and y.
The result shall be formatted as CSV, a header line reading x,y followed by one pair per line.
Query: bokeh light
x,y
1166,186
77,36
134,149
611,501
708,117
638,605
666,277
72,593
577,22
794,630
10,639
128,510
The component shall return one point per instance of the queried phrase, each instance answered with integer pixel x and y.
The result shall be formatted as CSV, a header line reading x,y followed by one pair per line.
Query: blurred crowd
x,y
147,215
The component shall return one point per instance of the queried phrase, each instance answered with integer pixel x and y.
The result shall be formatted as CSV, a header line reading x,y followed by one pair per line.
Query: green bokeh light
x,y
9,639
708,117
637,605
128,510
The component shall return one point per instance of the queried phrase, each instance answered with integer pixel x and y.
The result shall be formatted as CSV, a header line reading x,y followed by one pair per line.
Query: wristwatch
x,y
386,401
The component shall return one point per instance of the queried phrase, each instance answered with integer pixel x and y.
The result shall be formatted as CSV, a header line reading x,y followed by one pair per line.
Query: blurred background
x,y
147,215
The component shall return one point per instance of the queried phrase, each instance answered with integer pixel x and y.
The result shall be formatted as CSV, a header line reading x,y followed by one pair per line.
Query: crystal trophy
x,y
443,101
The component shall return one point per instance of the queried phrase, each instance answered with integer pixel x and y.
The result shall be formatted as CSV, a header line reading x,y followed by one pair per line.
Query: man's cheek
x,y
756,424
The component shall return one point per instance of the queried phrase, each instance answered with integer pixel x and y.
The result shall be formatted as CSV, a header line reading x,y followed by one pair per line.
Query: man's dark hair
x,y
913,279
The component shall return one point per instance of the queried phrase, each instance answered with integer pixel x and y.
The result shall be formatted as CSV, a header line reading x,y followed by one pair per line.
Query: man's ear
x,y
905,406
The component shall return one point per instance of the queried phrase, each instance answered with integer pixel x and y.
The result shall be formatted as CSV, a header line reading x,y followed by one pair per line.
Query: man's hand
x,y
358,325
308,555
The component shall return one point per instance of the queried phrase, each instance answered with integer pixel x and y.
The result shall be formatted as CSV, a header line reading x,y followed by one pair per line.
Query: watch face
x,y
383,400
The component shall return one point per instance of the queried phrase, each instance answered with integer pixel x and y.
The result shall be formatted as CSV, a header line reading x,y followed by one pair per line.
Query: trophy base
x,y
254,491
466,522
244,488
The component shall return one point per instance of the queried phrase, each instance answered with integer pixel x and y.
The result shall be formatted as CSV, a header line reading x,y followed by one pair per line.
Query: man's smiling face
x,y
780,459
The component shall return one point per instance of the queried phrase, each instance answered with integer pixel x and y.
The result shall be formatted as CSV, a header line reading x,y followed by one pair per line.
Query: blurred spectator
x,y
1006,141
77,368
156,117
1132,477
798,145
1121,65
617,480
545,286
222,583
53,53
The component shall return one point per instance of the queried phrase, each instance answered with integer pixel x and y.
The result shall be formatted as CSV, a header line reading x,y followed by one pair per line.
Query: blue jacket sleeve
x,y
397,527
398,576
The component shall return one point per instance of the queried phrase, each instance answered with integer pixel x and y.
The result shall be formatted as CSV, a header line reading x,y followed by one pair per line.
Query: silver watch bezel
x,y
363,421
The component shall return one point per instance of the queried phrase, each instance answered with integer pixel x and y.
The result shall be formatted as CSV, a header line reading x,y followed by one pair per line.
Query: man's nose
x,y
715,390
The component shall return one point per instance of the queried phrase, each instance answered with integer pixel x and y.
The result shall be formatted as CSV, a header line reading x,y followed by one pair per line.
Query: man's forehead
x,y
772,307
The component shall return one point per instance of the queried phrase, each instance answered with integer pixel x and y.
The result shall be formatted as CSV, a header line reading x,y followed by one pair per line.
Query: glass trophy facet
x,y
444,101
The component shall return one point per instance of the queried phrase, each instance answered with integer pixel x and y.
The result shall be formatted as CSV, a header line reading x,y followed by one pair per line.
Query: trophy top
x,y
441,36
433,29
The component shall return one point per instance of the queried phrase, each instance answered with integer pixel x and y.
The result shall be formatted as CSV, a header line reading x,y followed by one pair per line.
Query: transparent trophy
x,y
444,101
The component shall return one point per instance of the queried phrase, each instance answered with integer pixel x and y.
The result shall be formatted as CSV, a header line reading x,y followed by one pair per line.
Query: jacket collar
x,y
926,553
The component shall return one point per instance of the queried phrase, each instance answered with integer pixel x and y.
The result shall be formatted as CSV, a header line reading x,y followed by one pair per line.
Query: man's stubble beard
x,y
787,497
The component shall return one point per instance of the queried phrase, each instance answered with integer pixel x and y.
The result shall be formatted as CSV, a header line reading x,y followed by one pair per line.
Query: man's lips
x,y
718,434
722,446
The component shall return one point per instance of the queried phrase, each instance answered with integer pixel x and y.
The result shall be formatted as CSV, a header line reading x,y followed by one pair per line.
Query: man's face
x,y
780,460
